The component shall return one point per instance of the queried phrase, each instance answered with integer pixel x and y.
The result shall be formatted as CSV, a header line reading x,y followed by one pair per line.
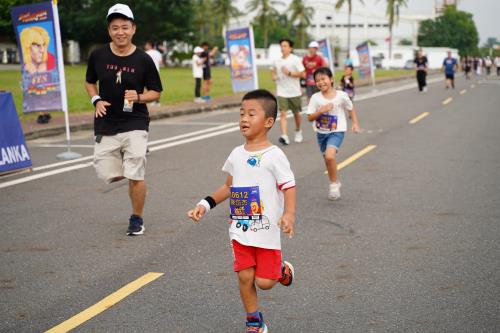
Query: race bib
x,y
326,122
245,203
246,209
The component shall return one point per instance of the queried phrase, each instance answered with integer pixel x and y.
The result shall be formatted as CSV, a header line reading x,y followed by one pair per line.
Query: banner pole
x,y
67,155
254,64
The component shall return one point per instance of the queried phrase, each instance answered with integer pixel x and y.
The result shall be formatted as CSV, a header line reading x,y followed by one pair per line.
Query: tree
x,y
302,14
280,28
454,28
266,15
339,5
85,20
224,11
392,11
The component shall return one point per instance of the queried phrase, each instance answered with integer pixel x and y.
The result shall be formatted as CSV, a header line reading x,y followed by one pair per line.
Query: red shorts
x,y
267,262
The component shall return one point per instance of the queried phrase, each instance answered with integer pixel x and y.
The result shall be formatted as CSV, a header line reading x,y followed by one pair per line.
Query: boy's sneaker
x,y
206,98
136,226
334,192
286,274
284,139
298,136
256,325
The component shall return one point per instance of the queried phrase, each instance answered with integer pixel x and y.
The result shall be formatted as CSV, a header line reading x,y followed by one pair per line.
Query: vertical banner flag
x,y
326,51
241,50
13,151
365,61
36,40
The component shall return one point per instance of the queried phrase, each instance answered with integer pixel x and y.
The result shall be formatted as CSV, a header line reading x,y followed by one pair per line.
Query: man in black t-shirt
x,y
128,79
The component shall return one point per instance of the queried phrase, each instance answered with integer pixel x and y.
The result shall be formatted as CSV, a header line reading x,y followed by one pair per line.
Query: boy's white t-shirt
x,y
197,67
335,120
256,200
287,86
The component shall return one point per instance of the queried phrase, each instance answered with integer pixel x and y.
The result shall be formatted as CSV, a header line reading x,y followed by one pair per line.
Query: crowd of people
x,y
121,79
480,65
451,65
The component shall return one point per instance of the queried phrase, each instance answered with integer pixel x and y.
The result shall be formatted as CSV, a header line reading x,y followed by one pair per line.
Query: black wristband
x,y
211,201
97,100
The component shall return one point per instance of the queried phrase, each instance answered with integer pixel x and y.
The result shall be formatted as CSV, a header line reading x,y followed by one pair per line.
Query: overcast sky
x,y
485,12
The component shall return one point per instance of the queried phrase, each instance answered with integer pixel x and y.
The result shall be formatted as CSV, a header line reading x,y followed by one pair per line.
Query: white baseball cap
x,y
121,9
314,44
198,50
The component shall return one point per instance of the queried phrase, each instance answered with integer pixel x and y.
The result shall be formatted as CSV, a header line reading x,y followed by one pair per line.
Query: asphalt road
x,y
412,246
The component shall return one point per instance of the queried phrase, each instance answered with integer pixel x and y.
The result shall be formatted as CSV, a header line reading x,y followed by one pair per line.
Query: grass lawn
x,y
178,85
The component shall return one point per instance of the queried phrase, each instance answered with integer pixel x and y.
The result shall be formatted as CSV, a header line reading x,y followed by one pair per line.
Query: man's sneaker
x,y
256,325
199,100
284,139
286,274
334,192
136,226
298,136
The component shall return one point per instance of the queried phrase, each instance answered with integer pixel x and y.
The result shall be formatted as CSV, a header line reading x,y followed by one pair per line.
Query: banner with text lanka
x,y
13,151
36,40
241,50
365,62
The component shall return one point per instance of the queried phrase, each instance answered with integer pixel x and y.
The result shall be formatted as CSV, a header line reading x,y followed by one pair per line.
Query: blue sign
x,y
365,62
36,39
241,50
14,153
326,51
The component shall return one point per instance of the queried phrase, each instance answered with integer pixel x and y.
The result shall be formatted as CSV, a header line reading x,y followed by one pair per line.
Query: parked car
x,y
408,64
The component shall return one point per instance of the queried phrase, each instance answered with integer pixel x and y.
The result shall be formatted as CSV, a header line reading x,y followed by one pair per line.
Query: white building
x,y
365,25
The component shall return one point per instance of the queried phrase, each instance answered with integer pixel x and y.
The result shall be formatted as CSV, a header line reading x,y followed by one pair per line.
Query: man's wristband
x,y
95,99
208,203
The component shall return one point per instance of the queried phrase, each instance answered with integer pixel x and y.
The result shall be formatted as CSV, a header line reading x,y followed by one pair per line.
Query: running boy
x,y
261,188
347,82
327,109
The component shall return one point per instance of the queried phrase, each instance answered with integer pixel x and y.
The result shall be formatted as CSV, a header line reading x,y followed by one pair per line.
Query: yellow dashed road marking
x,y
105,303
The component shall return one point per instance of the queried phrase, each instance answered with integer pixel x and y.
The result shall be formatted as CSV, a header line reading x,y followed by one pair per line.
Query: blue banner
x,y
326,52
241,50
14,153
365,62
36,40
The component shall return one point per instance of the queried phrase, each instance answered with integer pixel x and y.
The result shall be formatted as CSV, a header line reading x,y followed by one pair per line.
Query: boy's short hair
x,y
286,40
350,66
267,101
324,71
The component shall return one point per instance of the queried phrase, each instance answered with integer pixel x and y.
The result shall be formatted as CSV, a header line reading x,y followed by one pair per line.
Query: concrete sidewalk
x,y
85,120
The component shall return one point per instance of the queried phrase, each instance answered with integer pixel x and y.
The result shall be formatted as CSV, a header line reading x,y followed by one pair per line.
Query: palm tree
x,y
303,15
392,11
339,5
266,14
224,11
